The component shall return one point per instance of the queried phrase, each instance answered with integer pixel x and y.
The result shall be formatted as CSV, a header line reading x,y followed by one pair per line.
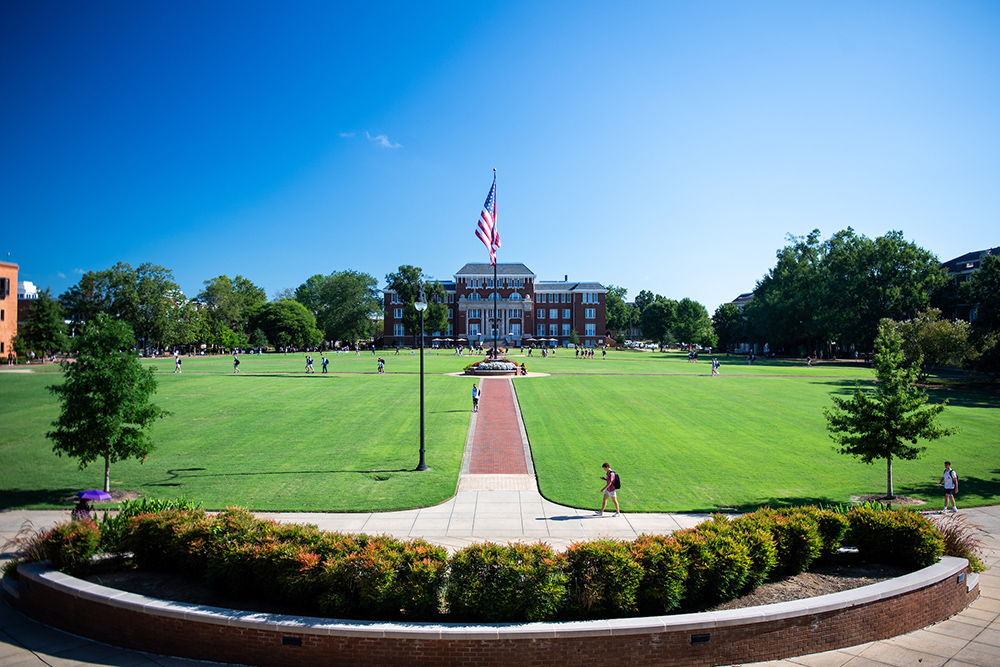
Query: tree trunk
x,y
888,478
107,472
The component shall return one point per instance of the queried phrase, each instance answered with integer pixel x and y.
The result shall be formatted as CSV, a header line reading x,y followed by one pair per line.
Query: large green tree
x,y
44,331
887,422
288,324
693,325
658,318
106,408
230,304
983,292
345,304
932,342
146,298
728,324
406,282
618,315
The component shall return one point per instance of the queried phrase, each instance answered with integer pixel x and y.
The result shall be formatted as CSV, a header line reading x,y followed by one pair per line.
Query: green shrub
x,y
753,531
718,565
517,582
900,537
664,571
602,579
173,541
420,579
71,546
113,525
797,538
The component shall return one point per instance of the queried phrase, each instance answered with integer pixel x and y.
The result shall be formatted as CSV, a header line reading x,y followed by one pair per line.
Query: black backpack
x,y
618,480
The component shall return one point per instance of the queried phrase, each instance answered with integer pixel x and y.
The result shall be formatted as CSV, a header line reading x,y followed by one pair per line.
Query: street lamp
x,y
421,306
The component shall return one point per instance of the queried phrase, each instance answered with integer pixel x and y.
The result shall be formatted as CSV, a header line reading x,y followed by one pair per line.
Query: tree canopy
x,y
619,316
406,282
840,289
105,397
44,331
345,304
288,324
230,304
983,292
693,325
886,423
658,318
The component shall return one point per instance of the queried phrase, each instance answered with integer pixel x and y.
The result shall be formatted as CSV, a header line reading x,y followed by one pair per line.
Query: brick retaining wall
x,y
769,632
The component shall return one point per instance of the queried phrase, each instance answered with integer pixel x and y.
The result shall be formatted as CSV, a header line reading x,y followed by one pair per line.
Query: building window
x,y
553,329
451,297
449,313
398,330
566,313
590,330
514,312
473,329
474,297
475,312
565,330
541,329
590,313
397,313
553,314
394,298
515,297
451,329
541,313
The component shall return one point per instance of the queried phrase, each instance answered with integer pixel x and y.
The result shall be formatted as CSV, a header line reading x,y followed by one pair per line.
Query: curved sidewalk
x,y
498,500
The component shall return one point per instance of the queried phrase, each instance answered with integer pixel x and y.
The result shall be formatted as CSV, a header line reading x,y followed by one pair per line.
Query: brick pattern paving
x,y
496,444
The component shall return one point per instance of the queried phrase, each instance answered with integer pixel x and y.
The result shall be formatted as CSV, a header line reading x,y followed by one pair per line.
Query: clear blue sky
x,y
666,146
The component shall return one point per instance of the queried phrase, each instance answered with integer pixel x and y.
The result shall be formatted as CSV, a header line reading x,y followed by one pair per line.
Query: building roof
x,y
969,260
472,269
565,286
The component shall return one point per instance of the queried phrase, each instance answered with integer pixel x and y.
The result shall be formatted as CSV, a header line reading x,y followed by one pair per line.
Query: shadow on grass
x,y
176,476
28,497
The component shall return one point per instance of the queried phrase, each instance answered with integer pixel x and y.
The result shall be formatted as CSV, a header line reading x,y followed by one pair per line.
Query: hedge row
x,y
360,576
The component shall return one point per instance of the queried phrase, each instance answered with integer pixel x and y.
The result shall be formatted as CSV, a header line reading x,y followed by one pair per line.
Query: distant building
x,y
8,307
960,270
741,301
26,290
527,309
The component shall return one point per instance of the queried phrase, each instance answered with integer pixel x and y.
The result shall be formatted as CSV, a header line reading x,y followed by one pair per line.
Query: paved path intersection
x,y
498,500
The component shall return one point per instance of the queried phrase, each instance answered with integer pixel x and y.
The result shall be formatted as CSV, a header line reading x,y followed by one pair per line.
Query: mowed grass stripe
x,y
696,444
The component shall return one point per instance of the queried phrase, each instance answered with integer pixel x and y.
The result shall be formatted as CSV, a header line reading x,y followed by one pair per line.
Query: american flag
x,y
487,229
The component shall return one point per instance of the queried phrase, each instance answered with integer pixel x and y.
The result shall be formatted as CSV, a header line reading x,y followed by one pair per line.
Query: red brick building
x,y
528,309
8,307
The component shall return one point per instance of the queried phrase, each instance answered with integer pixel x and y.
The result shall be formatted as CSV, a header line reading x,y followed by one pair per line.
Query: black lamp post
x,y
421,306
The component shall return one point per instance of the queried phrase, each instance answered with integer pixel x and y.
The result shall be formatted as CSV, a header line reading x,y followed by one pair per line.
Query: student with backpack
x,y
612,482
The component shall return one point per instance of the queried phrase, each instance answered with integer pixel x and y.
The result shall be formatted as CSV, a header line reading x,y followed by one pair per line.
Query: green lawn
x,y
273,438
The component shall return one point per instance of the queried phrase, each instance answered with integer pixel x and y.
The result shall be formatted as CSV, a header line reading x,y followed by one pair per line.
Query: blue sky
x,y
664,146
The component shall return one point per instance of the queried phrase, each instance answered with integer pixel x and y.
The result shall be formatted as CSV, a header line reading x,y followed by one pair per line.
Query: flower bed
x,y
492,367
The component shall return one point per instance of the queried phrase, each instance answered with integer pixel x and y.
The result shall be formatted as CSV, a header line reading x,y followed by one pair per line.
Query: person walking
x,y
611,485
325,362
381,366
476,392
949,478
715,366
236,363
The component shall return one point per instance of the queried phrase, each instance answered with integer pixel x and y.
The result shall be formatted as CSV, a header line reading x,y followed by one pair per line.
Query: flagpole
x,y
496,314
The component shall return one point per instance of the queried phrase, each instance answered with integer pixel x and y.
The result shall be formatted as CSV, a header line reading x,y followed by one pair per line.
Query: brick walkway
x,y
497,445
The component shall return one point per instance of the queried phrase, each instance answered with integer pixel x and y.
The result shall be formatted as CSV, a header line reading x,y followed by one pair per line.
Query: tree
x,y
983,292
345,304
45,330
406,283
106,408
146,298
658,318
886,423
574,338
288,324
231,303
693,325
644,298
728,323
866,280
619,317
786,302
930,341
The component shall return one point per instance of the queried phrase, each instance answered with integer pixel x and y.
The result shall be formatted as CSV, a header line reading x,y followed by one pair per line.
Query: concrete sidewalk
x,y
502,507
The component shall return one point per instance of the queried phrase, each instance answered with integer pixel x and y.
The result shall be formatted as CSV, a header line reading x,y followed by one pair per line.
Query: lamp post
x,y
421,306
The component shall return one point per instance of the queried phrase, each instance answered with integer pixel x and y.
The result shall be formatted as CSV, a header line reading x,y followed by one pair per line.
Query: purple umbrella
x,y
94,494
